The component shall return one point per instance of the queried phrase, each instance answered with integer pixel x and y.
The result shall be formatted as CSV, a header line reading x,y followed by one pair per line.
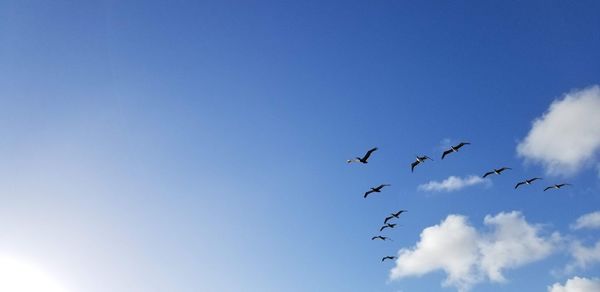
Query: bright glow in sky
x,y
18,276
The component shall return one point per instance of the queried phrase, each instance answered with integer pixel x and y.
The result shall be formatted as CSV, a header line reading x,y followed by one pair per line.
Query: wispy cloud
x,y
567,136
469,256
590,220
583,256
452,183
576,284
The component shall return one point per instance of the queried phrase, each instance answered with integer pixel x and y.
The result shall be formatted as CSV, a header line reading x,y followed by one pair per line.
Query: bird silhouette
x,y
387,258
384,238
496,171
387,225
364,158
375,190
393,215
527,181
558,186
454,148
420,159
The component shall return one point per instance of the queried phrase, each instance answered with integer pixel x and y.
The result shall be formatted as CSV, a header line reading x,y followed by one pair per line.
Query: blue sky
x,y
201,145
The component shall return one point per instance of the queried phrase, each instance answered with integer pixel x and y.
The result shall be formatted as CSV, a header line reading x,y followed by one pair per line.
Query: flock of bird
x,y
419,160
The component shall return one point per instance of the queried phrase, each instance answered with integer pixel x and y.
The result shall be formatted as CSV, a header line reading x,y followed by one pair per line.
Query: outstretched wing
x,y
520,183
503,169
534,179
387,219
427,157
412,165
461,144
383,227
369,154
547,188
487,173
367,193
446,153
398,213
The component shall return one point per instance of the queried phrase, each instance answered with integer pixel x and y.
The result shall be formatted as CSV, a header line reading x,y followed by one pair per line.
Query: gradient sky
x,y
201,145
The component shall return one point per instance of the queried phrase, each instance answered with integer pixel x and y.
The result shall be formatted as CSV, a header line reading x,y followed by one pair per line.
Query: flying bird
x,y
420,159
454,148
558,186
375,190
496,171
387,225
393,215
384,238
398,213
364,158
387,258
527,181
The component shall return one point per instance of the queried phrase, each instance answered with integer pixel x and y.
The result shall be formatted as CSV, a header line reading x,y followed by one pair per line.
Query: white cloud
x,y
567,136
583,256
513,243
590,220
576,284
452,183
469,256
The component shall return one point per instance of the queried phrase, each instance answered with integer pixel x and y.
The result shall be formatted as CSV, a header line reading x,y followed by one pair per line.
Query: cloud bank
x,y
469,256
590,220
452,183
567,136
576,284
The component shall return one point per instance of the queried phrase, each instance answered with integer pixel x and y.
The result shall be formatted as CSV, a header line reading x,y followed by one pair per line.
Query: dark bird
x,y
420,159
496,171
387,258
454,148
375,190
558,186
364,158
527,181
387,225
384,238
393,215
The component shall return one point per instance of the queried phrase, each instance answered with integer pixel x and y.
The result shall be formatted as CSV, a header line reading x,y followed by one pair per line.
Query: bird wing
x,y
367,193
547,188
520,183
412,165
428,157
383,227
461,144
503,169
487,173
387,219
373,238
369,154
446,153
534,179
